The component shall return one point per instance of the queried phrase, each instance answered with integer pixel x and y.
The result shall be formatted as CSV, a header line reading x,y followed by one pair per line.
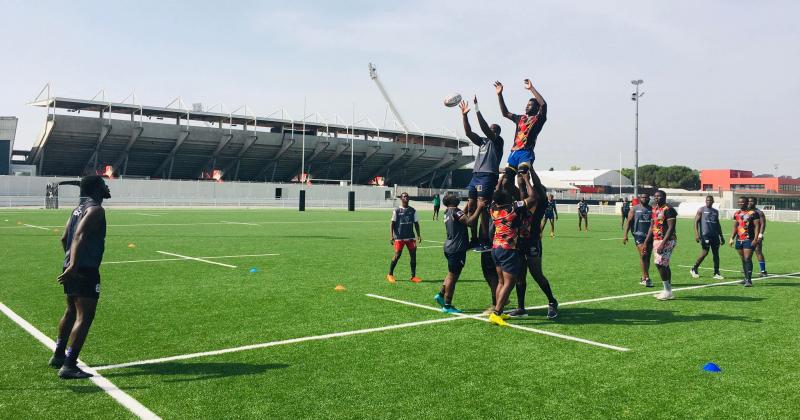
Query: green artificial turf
x,y
457,369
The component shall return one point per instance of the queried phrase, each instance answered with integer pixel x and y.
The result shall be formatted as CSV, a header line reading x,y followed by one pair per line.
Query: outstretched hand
x,y
528,84
498,87
464,107
475,99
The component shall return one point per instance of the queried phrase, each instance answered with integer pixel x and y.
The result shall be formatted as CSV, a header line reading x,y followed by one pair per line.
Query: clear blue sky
x,y
722,78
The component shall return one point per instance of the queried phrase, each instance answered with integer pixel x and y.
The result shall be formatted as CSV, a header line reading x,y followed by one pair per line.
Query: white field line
x,y
429,246
611,239
275,343
428,240
149,214
654,292
37,227
107,386
12,227
519,327
186,259
196,259
240,223
221,223
709,268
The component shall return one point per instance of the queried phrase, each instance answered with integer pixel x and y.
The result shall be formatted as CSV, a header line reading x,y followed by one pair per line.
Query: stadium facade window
x,y
708,187
747,186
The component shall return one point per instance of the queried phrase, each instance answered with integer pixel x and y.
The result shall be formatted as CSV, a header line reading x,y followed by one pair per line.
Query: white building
x,y
593,177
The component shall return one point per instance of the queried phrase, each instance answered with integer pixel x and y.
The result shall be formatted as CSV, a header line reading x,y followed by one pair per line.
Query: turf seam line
x,y
196,259
519,327
275,343
107,386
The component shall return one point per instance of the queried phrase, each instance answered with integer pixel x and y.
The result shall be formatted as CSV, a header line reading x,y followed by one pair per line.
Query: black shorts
x,y
455,261
581,214
488,267
708,243
639,239
507,259
549,215
532,248
86,284
436,209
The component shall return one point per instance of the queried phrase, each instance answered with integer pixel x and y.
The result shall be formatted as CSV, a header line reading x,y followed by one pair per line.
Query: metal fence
x,y
149,202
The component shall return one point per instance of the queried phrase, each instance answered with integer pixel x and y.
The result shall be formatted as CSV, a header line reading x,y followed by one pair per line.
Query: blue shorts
x,y
639,239
745,244
549,215
507,259
521,157
455,261
482,184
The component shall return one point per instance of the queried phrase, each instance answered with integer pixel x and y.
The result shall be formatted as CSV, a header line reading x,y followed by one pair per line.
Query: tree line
x,y
666,176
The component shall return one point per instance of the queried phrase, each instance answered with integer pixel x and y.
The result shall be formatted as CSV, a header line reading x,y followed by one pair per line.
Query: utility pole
x,y
635,98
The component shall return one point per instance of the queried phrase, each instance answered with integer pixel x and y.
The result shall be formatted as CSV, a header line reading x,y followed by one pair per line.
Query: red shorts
x,y
400,243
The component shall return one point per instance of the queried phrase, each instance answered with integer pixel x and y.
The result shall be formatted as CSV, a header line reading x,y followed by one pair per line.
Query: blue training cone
x,y
711,367
253,270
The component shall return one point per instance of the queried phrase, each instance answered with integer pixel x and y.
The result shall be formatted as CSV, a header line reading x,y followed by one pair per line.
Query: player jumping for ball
x,y
84,244
485,171
639,221
455,248
662,233
528,127
746,227
551,215
404,220
708,232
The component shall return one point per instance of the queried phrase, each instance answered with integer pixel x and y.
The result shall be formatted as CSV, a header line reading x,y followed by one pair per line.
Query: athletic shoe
x,y
439,299
743,282
665,296
497,320
72,372
748,283
56,361
518,312
552,310
488,310
552,235
451,310
763,274
718,276
505,316
416,279
694,273
646,283
390,278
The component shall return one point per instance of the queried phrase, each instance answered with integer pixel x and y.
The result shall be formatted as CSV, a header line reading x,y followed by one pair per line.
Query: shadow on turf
x,y
586,316
184,372
723,298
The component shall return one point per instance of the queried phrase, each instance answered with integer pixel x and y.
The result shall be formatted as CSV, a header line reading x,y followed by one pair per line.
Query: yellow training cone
x,y
339,288
131,246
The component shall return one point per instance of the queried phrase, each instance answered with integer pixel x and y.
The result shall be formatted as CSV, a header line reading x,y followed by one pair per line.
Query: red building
x,y
736,180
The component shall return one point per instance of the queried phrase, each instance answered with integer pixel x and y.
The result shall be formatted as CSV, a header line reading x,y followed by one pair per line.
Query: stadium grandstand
x,y
135,141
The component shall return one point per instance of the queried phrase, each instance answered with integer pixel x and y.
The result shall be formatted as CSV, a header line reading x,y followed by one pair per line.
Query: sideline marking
x,y
185,259
36,227
519,327
275,343
196,259
107,386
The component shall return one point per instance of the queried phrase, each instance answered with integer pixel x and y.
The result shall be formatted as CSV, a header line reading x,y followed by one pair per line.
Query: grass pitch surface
x,y
454,369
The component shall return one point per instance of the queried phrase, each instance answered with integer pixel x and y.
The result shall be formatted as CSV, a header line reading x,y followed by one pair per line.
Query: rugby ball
x,y
452,100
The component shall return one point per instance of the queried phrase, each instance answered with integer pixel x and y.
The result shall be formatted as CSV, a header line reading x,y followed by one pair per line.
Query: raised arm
x,y
467,128
531,201
487,131
473,219
536,94
498,87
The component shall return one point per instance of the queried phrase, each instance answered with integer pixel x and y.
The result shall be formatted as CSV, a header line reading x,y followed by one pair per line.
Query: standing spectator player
x,y
746,227
583,214
84,244
484,173
404,220
551,215
528,127
708,232
626,208
455,248
436,204
639,221
762,264
662,233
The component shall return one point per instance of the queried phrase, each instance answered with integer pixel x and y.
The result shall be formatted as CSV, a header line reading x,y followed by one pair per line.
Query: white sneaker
x,y
718,277
695,274
665,295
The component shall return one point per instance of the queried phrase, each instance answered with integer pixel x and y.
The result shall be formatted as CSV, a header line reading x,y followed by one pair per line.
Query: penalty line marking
x,y
196,259
276,343
36,227
107,386
519,327
185,259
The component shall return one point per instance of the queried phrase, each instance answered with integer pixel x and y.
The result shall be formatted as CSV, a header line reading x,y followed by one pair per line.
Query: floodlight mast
x,y
635,97
373,74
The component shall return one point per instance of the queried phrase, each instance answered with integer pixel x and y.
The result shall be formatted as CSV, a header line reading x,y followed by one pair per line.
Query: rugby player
x,y
404,220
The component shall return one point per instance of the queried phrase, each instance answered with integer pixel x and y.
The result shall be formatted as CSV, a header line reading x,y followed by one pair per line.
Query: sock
x,y
441,291
748,269
667,286
392,266
695,267
763,266
496,312
61,346
521,295
448,305
71,357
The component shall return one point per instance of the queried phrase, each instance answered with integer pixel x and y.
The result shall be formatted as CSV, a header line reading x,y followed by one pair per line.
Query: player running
x,y
485,171
455,248
404,220
662,233
551,215
84,244
626,208
583,213
762,264
507,216
708,232
746,227
639,221
528,126
436,203
531,250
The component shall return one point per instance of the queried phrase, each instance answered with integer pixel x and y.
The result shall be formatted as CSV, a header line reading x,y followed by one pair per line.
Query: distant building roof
x,y
588,177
